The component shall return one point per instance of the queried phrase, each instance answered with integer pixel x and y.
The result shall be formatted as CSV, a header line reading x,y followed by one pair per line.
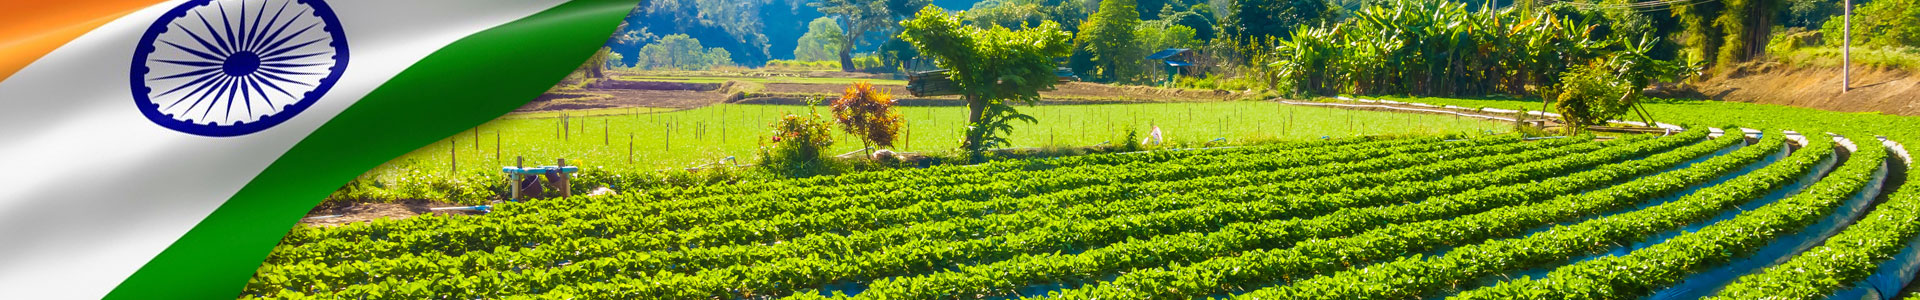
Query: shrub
x,y
798,142
867,113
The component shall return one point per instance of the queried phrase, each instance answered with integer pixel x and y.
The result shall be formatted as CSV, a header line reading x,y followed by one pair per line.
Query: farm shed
x,y
1177,62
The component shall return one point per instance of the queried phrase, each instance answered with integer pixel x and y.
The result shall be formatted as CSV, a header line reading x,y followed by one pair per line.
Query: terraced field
x,y
1496,217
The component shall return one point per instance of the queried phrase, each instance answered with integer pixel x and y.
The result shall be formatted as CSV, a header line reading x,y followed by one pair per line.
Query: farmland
x,y
1286,220
697,137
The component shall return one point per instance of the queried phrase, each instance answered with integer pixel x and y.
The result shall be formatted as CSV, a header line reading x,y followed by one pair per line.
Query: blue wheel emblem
x,y
233,67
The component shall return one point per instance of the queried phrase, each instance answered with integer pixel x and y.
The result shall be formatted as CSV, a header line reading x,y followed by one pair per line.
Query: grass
x,y
710,134
1903,58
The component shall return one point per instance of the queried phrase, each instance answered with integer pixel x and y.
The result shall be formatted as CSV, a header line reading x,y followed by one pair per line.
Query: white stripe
x,y
91,190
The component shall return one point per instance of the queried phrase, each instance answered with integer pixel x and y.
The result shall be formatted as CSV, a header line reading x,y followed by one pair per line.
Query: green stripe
x,y
469,82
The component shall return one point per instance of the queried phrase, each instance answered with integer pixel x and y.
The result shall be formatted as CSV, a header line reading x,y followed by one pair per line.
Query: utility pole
x,y
1846,46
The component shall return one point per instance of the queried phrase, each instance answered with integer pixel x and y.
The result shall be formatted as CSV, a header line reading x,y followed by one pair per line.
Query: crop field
x,y
1348,218
690,138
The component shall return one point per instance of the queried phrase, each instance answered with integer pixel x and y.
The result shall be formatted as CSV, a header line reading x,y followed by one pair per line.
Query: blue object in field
x,y
539,170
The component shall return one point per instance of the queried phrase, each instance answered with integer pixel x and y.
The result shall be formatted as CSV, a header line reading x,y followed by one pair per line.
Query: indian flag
x,y
159,150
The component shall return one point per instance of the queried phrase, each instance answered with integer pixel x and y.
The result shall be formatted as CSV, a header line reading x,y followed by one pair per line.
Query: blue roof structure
x,y
1164,54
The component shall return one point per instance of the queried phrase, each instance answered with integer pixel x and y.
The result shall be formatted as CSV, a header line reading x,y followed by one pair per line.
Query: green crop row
x,y
1264,267
865,182
565,251
1417,276
1650,269
1000,278
628,261
1842,260
509,226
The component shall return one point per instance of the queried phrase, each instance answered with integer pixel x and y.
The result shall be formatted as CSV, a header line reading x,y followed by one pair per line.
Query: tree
x,y
993,67
596,65
681,52
821,42
867,113
1017,13
1252,20
1107,47
858,17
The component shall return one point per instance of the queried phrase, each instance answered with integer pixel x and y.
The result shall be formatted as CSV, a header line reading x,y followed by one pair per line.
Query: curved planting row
x,y
1011,214
543,221
1392,218
1651,269
1254,269
1418,276
1006,278
1154,208
869,182
1843,260
273,274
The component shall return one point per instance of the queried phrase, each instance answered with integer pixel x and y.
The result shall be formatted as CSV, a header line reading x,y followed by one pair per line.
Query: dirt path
x,y
362,212
1877,89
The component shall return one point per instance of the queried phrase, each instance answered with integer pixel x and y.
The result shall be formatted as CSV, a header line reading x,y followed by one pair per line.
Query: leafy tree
x,y
821,42
1017,13
1881,23
1107,48
596,65
1747,25
681,52
1251,20
857,18
1700,33
1198,17
993,67
1809,13
867,113
1590,95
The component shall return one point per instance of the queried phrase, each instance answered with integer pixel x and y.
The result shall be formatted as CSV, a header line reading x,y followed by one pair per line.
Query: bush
x,y
798,142
1591,95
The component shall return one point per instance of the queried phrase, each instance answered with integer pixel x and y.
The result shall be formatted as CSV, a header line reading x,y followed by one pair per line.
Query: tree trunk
x,y
976,112
846,58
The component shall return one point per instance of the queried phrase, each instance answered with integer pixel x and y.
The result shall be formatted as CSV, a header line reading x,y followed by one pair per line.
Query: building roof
x,y
1177,63
1164,54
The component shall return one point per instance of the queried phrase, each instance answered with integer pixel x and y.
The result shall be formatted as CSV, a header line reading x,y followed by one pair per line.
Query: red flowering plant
x,y
798,143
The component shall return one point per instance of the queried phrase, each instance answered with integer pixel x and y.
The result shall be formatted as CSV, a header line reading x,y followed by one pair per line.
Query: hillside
x,y
1883,90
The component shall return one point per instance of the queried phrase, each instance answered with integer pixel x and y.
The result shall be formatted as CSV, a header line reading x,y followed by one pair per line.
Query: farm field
x,y
1351,217
1720,112
710,134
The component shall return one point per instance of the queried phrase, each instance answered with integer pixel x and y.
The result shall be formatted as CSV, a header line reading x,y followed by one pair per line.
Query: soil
x,y
681,99
338,214
613,94
1882,90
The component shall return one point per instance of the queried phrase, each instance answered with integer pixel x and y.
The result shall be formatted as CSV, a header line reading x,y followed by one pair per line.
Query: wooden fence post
x,y
519,162
453,156
565,185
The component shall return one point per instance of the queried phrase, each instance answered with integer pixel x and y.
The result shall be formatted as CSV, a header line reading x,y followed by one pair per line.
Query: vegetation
x,y
994,69
799,144
1107,46
867,113
1348,204
679,52
821,43
859,17
600,140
